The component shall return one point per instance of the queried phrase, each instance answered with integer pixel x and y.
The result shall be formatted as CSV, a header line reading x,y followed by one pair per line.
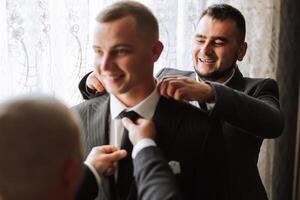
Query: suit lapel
x,y
237,81
97,124
100,124
166,125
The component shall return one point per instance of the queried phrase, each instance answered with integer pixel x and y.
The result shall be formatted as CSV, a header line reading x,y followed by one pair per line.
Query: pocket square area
x,y
175,166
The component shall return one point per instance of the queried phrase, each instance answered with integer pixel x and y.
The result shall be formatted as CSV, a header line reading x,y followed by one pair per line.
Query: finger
x,y
162,88
108,148
140,121
116,156
179,94
110,171
98,86
128,124
115,164
172,87
171,77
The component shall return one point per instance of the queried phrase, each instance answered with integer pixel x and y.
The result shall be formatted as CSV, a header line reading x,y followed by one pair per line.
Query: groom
x,y
126,45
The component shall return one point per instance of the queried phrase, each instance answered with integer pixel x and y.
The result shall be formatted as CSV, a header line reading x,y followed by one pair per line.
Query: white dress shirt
x,y
145,109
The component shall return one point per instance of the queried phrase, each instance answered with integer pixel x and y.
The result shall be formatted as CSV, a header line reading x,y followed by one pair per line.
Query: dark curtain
x,y
288,74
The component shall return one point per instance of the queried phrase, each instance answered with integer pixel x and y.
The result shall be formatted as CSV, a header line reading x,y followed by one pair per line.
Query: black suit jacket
x,y
249,111
88,188
185,134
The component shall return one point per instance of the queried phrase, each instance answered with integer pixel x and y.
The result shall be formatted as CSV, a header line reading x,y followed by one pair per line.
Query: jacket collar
x,y
237,81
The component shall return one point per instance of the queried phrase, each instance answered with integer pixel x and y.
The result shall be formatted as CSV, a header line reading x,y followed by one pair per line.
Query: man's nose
x,y
104,63
207,49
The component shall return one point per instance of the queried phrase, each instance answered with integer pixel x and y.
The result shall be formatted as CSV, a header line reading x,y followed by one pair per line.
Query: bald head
x,y
38,137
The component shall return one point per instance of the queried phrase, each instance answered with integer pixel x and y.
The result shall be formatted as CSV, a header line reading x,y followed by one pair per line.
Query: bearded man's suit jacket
x,y
249,111
184,135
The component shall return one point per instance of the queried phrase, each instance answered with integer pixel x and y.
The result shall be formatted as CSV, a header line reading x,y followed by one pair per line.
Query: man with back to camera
x,y
41,155
40,150
126,46
44,160
248,107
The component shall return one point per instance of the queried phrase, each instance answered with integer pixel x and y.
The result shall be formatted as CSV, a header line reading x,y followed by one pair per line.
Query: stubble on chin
x,y
214,75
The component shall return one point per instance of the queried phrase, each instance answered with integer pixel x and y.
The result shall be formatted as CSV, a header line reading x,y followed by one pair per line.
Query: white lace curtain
x,y
45,45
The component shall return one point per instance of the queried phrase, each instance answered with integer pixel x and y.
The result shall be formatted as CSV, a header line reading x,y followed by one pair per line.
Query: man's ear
x,y
156,50
242,51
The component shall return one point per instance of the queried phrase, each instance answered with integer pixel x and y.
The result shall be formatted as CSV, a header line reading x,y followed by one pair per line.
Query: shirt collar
x,y
230,77
145,108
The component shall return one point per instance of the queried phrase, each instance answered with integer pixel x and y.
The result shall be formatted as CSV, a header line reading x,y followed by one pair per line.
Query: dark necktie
x,y
130,114
125,169
203,106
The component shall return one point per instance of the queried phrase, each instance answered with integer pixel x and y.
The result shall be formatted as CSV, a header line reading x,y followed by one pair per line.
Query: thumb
x,y
99,87
127,123
117,155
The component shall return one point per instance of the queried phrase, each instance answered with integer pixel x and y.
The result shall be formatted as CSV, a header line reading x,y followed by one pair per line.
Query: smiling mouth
x,y
208,61
114,78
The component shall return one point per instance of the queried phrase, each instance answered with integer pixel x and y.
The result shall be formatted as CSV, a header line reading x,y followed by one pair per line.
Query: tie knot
x,y
130,114
203,106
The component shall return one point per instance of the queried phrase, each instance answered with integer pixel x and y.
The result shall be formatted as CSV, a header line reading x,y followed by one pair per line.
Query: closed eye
x,y
120,51
219,42
200,41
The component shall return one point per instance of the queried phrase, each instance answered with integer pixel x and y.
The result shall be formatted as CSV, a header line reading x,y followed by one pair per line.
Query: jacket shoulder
x,y
183,113
257,86
259,81
94,103
173,72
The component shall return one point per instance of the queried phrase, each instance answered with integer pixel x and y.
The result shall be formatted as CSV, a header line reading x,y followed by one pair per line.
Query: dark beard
x,y
216,75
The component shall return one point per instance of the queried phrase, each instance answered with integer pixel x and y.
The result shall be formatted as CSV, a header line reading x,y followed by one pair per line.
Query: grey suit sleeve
x,y
257,112
153,176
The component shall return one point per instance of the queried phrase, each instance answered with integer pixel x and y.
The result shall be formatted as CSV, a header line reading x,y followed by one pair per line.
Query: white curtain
x,y
46,44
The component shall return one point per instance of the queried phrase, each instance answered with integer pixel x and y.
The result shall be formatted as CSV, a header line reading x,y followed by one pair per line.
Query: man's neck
x,y
137,95
227,77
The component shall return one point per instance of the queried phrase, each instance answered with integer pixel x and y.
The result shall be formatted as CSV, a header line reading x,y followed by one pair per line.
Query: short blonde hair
x,y
146,21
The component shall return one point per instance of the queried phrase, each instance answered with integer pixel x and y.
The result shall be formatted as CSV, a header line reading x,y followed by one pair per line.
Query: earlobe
x,y
157,49
242,51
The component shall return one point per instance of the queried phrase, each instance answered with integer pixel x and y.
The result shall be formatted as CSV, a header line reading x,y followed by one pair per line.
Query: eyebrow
x,y
200,36
115,46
